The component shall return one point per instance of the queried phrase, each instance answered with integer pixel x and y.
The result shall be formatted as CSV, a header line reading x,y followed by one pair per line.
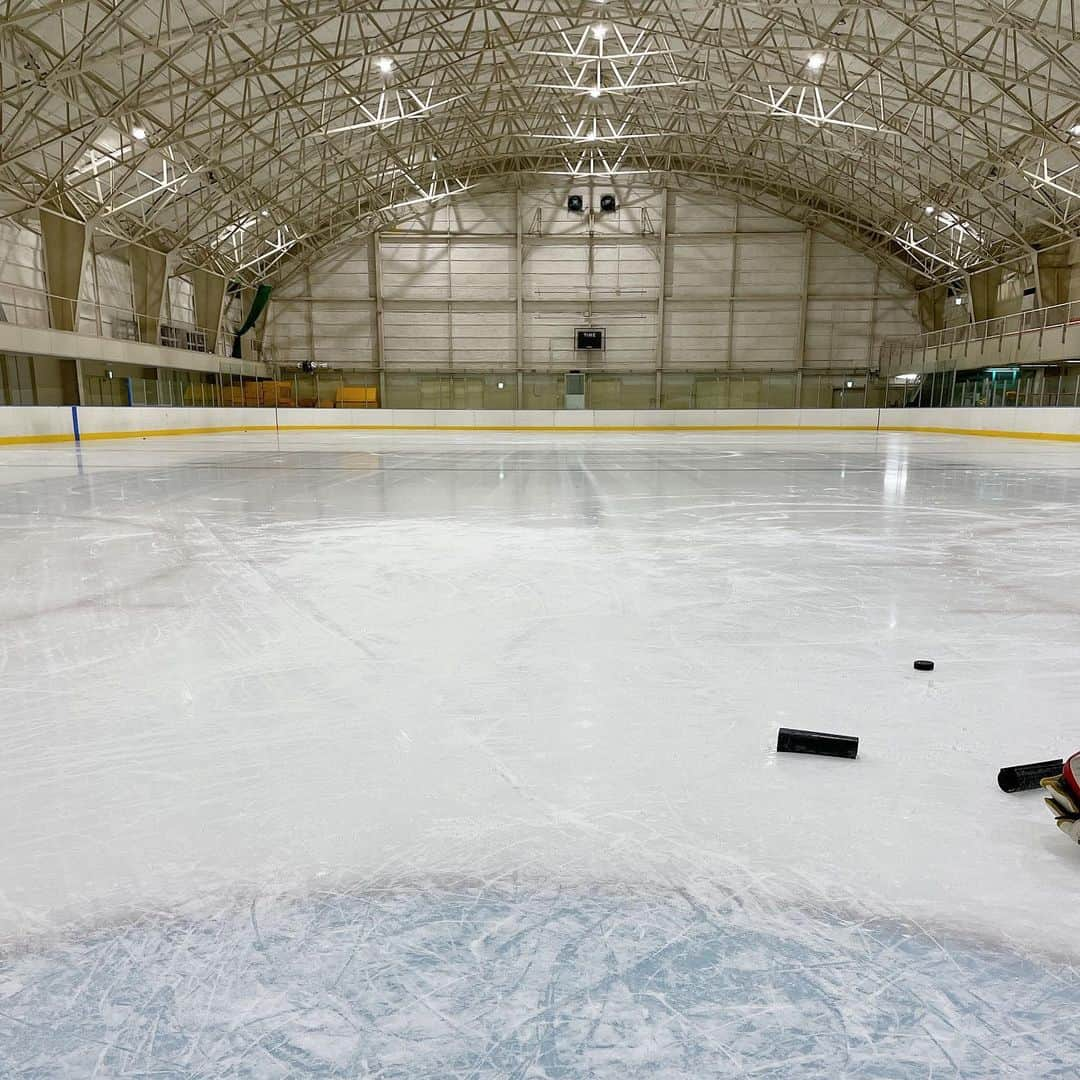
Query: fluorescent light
x,y
595,92
598,31
815,61
930,210
959,301
386,65
1075,129
138,132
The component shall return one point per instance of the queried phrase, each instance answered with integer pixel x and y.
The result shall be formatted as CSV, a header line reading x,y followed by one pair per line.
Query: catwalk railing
x,y
1045,333
35,309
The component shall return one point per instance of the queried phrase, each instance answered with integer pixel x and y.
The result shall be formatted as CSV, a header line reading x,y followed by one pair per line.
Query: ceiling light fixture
x,y
138,132
815,61
386,65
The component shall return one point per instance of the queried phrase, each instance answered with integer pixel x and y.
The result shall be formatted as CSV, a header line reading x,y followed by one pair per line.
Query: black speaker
x,y
608,205
575,204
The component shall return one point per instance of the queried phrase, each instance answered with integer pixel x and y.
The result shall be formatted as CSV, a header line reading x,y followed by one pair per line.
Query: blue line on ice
x,y
525,981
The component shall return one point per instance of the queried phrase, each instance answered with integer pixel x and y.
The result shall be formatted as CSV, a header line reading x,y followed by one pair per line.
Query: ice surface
x,y
448,755
463,980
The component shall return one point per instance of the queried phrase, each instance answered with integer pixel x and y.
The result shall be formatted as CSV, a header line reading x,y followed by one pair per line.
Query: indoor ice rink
x,y
445,447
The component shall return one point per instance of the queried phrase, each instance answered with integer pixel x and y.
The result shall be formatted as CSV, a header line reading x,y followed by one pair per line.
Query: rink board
x,y
58,424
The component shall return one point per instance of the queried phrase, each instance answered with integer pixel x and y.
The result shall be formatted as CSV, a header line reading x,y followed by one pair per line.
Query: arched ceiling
x,y
248,135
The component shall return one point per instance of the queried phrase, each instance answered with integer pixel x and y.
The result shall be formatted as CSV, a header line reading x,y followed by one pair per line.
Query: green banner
x,y
258,306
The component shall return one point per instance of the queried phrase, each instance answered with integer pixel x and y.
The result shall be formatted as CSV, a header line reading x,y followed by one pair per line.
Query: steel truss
x,y
938,136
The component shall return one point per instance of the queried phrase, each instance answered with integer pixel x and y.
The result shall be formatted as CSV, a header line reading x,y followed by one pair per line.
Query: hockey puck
x,y
1027,777
794,741
924,665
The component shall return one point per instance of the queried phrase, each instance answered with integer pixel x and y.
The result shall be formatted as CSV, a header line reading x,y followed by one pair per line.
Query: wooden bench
x,y
268,393
356,397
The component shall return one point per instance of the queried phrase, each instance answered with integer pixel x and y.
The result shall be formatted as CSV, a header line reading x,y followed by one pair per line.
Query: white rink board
x,y
447,752
43,422
29,424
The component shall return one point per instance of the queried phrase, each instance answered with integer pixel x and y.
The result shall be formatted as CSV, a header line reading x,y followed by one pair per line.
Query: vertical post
x,y
94,279
80,382
731,294
1034,256
450,308
309,311
804,308
377,287
519,302
661,295
88,239
872,331
219,336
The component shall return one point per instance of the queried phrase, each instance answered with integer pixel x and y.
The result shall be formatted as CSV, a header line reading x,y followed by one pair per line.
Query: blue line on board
x,y
75,421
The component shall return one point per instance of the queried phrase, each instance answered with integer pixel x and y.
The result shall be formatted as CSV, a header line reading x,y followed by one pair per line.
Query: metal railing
x,y
898,354
24,306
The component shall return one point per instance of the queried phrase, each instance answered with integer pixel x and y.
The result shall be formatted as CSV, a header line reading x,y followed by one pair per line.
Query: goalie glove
x,y
1064,798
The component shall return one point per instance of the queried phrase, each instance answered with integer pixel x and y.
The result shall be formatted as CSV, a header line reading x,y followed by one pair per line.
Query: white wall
x,y
735,288
22,275
180,301
114,290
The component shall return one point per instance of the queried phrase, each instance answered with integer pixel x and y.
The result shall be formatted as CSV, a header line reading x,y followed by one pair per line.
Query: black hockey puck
x,y
793,741
924,665
1027,777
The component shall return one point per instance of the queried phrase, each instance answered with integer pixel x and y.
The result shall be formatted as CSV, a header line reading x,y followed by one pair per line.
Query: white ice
x,y
440,755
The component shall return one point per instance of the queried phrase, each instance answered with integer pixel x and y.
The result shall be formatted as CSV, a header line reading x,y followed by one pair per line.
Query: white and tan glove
x,y
1064,798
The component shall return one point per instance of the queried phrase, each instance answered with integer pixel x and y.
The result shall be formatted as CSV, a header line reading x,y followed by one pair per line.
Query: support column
x,y
519,302
1058,274
804,310
209,293
80,382
64,243
732,288
149,272
380,339
661,297
309,313
872,331
931,307
95,282
984,290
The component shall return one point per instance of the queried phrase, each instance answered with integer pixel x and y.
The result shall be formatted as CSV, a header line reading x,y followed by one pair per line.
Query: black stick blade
x,y
793,741
1027,777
